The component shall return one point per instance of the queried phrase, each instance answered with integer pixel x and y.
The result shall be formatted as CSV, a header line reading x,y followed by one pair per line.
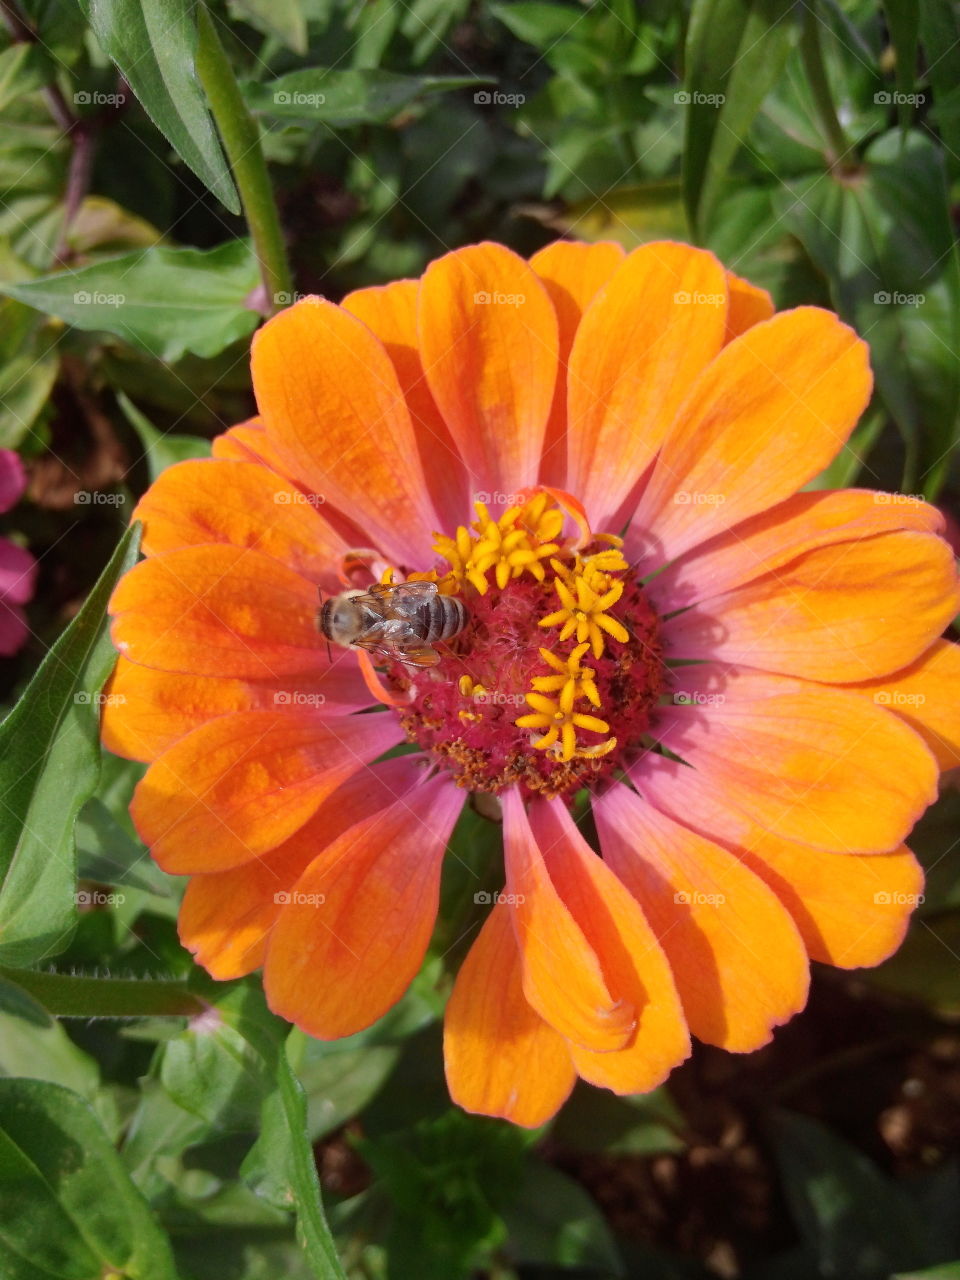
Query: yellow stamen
x,y
559,722
509,547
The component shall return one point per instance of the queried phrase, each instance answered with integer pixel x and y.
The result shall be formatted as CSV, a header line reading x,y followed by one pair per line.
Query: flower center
x,y
551,684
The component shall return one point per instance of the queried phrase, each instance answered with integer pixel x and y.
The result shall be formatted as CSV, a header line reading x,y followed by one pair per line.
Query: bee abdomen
x,y
447,618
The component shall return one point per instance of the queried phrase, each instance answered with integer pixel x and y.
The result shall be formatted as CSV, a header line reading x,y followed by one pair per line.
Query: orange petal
x,y
248,442
242,784
146,711
828,615
630,956
351,941
809,763
760,421
391,312
572,275
778,535
738,961
927,695
488,341
501,1058
226,915
218,611
851,910
747,305
229,445
244,504
335,413
562,977
642,341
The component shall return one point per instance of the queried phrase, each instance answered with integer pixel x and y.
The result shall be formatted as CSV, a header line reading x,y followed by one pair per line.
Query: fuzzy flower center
x,y
552,683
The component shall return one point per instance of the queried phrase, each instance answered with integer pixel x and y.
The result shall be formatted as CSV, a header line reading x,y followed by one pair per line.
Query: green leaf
x,y
948,1271
883,239
940,35
595,1120
69,1205
554,1221
903,22
70,995
108,854
162,301
858,1222
49,761
161,448
17,1003
283,18
305,1185
340,1077
212,1071
154,44
20,71
748,236
541,25
281,1164
45,1052
158,1133
26,380
631,215
317,95
33,172
735,52
448,1178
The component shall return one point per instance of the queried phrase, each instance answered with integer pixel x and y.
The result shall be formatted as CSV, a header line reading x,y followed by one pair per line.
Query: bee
x,y
399,621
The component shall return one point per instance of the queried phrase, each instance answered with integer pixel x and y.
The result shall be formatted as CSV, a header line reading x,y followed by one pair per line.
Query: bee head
x,y
341,618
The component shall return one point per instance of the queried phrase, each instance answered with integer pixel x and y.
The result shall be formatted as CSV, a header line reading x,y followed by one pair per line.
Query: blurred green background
x,y
816,149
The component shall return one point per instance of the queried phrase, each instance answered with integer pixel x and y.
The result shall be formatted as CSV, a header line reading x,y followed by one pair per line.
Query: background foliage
x,y
154,1124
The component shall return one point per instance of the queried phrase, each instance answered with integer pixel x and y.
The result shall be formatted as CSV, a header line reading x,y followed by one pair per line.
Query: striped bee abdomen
x,y
445,617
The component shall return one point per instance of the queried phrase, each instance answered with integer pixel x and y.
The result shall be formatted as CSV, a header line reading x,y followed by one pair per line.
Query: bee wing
x,y
422,657
403,601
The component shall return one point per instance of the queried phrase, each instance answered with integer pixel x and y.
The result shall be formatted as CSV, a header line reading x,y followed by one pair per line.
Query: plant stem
x,y
820,86
241,140
66,995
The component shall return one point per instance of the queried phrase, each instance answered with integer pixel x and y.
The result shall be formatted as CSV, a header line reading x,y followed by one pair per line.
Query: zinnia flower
x,y
18,568
602,457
